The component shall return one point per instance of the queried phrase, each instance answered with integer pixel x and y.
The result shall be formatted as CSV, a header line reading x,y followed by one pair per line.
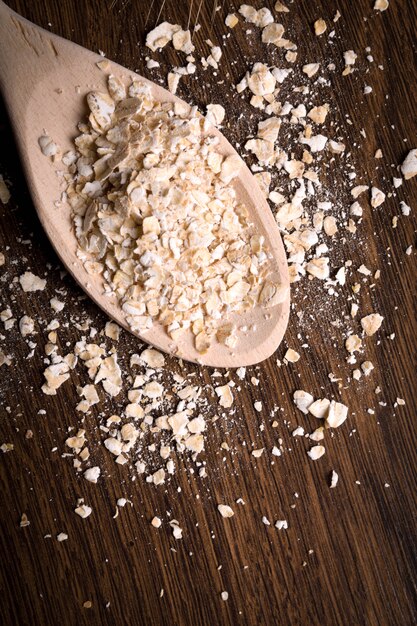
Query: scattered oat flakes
x,y
88,392
261,81
153,358
103,65
377,197
112,331
371,323
362,269
26,326
225,395
336,147
318,434
280,7
319,268
152,64
367,367
113,445
358,190
56,305
330,225
24,521
334,479
281,524
272,33
311,69
181,40
158,478
215,114
350,57
83,510
225,510
353,344
176,530
337,414
291,356
319,408
405,209
316,452
55,376
260,18
316,143
320,27
92,474
173,80
409,166
48,147
231,20
258,453
77,442
298,432
31,282
161,35
381,5
318,115
303,400
356,209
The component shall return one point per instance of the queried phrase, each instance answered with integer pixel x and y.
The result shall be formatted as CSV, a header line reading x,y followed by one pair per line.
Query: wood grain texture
x,y
363,565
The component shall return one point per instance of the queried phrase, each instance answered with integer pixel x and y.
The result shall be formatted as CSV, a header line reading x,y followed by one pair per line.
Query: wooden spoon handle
x,y
26,53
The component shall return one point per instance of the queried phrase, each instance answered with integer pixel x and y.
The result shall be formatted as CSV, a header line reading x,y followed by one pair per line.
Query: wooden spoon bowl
x,y
44,80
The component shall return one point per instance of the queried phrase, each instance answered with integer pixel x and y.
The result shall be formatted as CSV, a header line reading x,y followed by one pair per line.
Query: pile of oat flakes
x,y
156,216
290,153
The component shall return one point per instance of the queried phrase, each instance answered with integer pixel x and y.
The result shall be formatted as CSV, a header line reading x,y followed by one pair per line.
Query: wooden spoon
x,y
44,80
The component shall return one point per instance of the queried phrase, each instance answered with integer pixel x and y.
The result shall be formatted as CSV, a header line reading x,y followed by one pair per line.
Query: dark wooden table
x,y
348,557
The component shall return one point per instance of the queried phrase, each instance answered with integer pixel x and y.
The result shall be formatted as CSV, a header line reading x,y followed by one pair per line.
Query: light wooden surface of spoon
x,y
44,80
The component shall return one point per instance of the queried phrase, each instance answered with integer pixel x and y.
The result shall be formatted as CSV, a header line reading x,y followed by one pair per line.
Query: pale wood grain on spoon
x,y
44,80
